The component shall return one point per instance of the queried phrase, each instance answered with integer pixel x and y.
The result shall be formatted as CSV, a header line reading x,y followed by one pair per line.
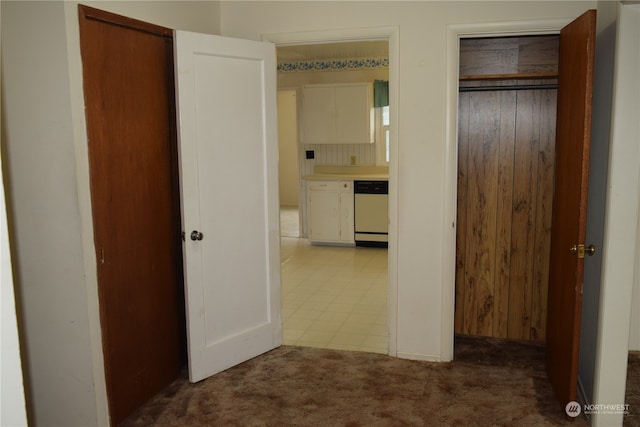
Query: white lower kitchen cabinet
x,y
330,212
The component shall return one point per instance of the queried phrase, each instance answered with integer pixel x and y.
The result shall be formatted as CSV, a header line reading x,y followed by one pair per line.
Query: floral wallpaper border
x,y
334,64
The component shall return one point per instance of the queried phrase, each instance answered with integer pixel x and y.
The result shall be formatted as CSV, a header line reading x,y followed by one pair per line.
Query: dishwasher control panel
x,y
371,187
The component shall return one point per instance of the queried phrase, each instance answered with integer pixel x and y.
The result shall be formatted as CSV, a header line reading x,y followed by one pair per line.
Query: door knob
x,y
196,235
581,250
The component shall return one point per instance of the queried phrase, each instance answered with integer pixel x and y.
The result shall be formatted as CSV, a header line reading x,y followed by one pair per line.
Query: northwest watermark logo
x,y
574,409
607,408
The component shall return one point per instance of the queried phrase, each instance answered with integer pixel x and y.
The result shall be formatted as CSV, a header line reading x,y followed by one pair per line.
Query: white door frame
x,y
454,34
392,35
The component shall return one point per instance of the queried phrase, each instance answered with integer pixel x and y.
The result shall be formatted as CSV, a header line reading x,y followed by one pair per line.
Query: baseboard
x,y
419,356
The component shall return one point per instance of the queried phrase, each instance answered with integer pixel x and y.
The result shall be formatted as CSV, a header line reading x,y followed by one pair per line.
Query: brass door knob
x,y
581,250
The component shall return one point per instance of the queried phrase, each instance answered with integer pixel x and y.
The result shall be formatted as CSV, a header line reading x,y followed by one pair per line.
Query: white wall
x,y
598,173
620,253
43,208
13,411
422,127
49,204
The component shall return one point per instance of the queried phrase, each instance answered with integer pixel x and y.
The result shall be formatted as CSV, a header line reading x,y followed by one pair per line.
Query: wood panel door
x,y
505,187
575,86
130,112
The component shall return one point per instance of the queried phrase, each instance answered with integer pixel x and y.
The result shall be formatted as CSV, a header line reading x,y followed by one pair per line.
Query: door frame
x,y
299,159
392,35
454,33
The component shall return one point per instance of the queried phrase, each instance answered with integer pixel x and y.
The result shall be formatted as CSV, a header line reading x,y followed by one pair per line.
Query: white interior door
x,y
227,138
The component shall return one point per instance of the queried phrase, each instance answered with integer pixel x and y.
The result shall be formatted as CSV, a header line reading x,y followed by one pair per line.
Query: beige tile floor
x,y
334,297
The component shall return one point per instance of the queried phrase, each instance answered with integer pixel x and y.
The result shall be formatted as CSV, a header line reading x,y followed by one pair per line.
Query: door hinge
x,y
101,255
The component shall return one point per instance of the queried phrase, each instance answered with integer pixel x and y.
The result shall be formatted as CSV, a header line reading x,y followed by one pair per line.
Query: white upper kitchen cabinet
x,y
337,114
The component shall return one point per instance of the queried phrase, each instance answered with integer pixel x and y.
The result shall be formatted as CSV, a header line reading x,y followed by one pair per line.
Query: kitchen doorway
x,y
343,288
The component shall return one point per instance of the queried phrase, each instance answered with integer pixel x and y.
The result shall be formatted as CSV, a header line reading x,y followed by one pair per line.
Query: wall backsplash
x,y
336,155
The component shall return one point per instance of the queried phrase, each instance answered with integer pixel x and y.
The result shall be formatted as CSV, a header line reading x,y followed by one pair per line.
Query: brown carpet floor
x,y
633,390
490,383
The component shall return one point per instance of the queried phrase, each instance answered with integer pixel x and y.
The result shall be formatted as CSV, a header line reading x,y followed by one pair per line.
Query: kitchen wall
x,y
332,154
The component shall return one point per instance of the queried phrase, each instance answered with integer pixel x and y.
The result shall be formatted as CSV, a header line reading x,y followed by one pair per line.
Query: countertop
x,y
346,173
345,177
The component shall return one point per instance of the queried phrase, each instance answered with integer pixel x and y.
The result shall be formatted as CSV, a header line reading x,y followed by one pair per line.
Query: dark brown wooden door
x,y
130,112
577,47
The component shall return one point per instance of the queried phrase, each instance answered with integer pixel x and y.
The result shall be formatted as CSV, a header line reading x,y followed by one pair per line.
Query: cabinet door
x,y
324,211
337,114
318,114
353,114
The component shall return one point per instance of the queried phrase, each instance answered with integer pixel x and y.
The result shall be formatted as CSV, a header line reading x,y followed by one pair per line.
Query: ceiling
x,y
344,50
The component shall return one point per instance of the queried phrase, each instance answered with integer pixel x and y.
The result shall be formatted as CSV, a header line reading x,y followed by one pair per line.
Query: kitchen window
x,y
382,135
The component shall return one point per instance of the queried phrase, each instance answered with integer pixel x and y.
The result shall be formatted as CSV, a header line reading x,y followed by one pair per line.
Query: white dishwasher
x,y
371,213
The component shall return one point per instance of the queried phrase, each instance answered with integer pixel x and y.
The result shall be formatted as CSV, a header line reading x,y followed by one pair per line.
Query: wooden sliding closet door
x,y
506,149
130,111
